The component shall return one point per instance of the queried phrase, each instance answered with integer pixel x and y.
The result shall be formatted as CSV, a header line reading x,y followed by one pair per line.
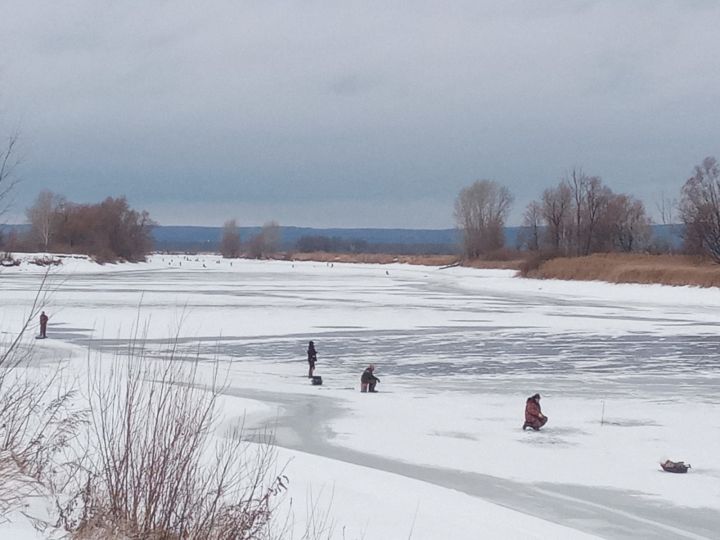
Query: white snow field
x,y
629,376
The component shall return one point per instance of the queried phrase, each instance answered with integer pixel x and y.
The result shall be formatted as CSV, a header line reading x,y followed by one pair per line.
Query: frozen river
x,y
629,376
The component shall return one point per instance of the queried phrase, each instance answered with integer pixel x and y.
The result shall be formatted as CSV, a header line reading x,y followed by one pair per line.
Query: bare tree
x,y
666,208
556,211
532,223
597,197
627,223
582,216
590,198
271,236
108,231
700,209
266,242
230,241
9,161
480,213
43,216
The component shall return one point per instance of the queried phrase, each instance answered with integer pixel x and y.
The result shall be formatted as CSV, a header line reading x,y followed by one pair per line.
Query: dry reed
x,y
632,268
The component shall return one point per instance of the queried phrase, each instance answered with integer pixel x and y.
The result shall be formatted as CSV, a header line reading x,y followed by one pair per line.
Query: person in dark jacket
x,y
368,380
534,418
312,358
43,324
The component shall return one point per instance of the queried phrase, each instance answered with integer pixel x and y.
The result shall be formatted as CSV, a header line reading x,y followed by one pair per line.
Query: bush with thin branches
x,y
152,469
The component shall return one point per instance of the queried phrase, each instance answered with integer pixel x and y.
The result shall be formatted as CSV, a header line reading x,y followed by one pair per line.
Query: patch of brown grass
x,y
632,268
513,264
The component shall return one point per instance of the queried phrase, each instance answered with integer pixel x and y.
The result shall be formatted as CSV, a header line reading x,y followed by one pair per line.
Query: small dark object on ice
x,y
317,380
675,466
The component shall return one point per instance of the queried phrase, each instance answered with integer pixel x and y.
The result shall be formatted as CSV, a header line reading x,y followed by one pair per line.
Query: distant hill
x,y
208,238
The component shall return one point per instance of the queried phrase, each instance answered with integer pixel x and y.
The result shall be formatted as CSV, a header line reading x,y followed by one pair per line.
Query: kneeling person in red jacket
x,y
534,418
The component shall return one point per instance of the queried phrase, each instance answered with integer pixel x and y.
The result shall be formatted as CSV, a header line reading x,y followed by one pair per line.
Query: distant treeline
x,y
334,240
360,240
334,244
398,241
580,215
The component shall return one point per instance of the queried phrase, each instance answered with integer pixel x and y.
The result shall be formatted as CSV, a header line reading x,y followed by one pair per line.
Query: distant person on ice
x,y
43,324
312,358
534,418
368,380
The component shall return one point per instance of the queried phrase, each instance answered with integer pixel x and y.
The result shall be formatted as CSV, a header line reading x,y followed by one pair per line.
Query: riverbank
x,y
676,270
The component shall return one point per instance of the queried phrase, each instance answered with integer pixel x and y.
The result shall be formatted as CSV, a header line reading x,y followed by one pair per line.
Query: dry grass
x,y
512,263
632,268
374,258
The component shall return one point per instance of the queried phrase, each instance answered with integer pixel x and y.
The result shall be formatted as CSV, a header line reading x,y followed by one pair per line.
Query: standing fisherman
x,y
312,358
43,325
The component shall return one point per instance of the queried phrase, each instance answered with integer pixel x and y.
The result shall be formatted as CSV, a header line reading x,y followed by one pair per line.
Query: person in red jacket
x,y
534,418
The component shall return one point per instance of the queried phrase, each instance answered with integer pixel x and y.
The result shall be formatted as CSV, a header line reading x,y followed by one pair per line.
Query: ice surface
x,y
629,376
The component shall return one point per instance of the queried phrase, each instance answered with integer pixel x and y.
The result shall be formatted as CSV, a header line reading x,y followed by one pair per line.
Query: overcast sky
x,y
350,114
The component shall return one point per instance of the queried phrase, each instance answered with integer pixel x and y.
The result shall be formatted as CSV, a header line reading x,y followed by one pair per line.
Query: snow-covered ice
x,y
629,376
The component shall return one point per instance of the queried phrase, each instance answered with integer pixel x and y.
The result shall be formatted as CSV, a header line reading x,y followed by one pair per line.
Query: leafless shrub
x,y
7,260
152,470
266,242
230,240
46,261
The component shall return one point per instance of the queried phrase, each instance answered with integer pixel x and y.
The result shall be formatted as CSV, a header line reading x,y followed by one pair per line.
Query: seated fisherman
x,y
368,380
534,418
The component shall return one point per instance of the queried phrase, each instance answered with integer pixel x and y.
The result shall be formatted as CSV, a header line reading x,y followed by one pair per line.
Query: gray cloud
x,y
354,113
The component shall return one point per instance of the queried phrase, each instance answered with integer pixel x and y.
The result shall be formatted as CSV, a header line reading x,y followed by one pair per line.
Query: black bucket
x,y
316,380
